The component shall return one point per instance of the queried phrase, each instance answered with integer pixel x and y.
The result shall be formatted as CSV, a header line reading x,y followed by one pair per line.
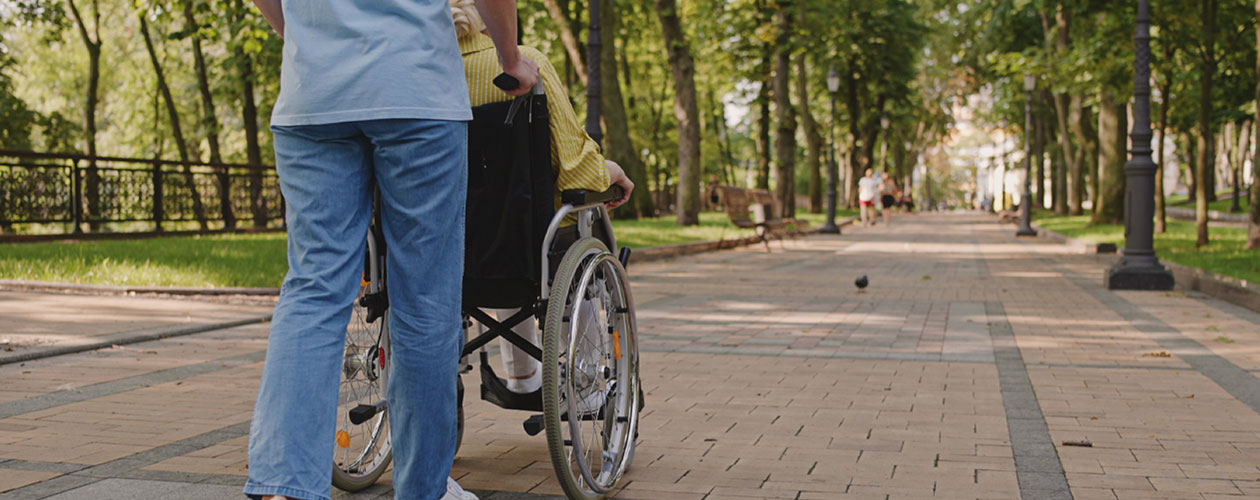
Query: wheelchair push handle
x,y
579,197
506,82
509,83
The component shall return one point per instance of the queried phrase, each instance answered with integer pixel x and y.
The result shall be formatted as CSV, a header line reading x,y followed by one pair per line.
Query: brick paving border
x,y
1236,381
161,332
1037,464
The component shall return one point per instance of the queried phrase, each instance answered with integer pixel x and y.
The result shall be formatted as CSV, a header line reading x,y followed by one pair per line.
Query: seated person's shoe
x,y
455,492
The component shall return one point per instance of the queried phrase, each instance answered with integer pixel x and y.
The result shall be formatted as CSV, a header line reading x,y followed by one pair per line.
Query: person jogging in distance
x,y
868,188
370,93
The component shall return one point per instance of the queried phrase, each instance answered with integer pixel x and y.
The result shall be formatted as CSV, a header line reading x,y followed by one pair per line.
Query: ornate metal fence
x,y
80,190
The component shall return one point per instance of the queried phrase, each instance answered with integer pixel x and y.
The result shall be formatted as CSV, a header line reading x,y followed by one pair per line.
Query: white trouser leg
x,y
521,371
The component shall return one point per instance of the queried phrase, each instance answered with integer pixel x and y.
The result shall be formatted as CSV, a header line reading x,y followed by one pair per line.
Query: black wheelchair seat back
x,y
510,202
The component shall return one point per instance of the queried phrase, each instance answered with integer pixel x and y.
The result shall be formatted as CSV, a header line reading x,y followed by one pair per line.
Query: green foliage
x,y
1225,255
914,62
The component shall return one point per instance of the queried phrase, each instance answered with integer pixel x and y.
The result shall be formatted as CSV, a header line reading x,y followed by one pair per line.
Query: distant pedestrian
x,y
868,188
887,197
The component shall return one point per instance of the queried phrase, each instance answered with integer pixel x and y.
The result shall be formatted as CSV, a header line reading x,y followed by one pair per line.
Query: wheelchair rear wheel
x,y
362,450
590,371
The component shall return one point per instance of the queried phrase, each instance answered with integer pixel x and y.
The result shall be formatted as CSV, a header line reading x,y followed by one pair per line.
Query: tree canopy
x,y
732,92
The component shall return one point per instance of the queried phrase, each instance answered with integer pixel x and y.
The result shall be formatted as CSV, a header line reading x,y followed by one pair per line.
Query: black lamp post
x,y
1025,201
830,227
1139,268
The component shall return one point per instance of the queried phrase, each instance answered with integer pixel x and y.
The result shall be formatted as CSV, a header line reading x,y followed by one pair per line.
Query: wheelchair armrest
x,y
578,197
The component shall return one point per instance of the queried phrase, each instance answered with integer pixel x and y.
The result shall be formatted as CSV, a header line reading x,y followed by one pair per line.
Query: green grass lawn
x,y
658,231
1224,254
1220,205
228,260
258,260
819,219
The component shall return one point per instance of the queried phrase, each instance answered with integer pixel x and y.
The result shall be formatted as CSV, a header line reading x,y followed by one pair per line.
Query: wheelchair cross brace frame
x,y
586,206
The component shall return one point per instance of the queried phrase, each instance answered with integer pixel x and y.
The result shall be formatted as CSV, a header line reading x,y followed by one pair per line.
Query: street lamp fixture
x,y
1025,201
830,227
1139,268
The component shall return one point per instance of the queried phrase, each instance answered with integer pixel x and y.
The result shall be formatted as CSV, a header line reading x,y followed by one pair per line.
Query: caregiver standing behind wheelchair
x,y
575,157
369,93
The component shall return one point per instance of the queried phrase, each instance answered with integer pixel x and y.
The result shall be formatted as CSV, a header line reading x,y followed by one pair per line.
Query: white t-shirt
x,y
868,187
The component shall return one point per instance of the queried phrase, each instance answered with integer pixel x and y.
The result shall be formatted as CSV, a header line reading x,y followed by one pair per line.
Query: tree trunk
x,y
763,127
872,133
199,211
249,116
1067,109
617,143
568,37
1253,232
92,43
785,138
723,140
1161,225
1076,164
1190,153
658,112
1112,151
1211,174
685,112
1058,171
209,118
1243,149
853,103
1089,150
1206,157
253,153
813,140
1039,161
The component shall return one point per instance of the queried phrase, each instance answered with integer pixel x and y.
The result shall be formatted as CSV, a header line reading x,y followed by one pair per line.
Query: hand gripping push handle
x,y
506,82
579,197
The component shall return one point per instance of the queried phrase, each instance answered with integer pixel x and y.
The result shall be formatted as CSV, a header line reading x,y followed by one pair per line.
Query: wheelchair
x,y
558,266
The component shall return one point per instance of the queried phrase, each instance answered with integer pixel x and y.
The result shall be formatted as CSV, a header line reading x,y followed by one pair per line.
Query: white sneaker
x,y
455,492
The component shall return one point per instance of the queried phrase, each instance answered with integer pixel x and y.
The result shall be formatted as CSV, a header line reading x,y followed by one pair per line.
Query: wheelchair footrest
x,y
363,413
534,424
496,392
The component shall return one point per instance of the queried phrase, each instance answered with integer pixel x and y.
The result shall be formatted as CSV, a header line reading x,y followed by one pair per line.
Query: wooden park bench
x,y
737,202
766,211
793,226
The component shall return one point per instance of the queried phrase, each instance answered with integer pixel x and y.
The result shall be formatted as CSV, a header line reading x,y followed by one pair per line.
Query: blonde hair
x,y
467,19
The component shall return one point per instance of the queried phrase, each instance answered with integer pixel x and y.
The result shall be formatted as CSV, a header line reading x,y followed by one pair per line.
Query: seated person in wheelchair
x,y
575,158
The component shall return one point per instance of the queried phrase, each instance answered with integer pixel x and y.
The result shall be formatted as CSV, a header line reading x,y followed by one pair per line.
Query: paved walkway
x,y
965,370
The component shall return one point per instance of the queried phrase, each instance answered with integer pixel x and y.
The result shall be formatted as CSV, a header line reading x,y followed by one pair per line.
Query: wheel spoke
x,y
366,450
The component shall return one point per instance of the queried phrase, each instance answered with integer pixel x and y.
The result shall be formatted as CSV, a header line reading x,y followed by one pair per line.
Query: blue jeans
x,y
326,174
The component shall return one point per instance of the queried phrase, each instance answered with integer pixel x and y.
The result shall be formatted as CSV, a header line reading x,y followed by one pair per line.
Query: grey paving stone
x,y
123,489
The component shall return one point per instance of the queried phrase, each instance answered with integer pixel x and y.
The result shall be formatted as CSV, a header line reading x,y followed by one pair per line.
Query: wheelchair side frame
x,y
585,226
